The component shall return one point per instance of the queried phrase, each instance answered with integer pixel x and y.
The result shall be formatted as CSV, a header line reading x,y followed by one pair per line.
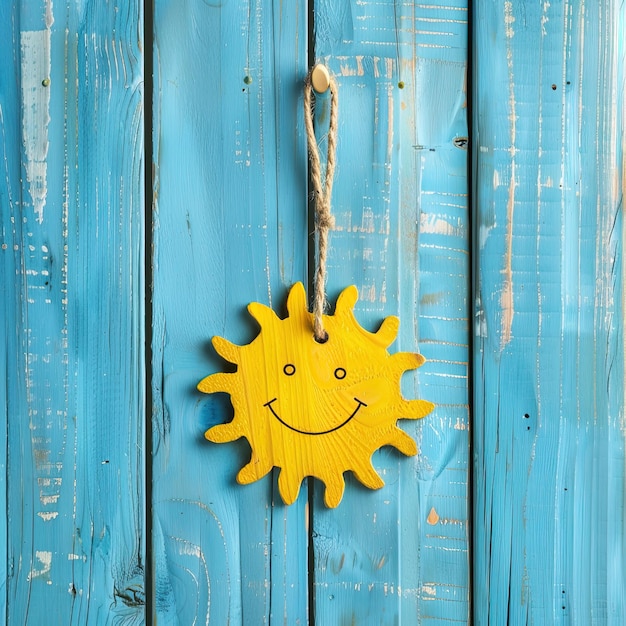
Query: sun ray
x,y
296,301
335,486
226,349
256,469
403,361
368,476
388,331
401,441
225,432
346,301
262,314
289,484
226,383
415,409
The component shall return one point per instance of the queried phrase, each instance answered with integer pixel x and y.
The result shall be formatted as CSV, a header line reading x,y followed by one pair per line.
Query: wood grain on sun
x,y
315,409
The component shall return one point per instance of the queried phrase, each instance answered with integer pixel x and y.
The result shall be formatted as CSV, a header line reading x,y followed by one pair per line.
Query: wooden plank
x,y
549,348
71,136
9,195
399,555
230,227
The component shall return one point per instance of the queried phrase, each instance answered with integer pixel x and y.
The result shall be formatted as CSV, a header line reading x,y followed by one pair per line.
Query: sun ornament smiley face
x,y
315,409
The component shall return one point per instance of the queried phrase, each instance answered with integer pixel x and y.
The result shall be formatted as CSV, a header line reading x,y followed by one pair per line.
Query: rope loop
x,y
322,192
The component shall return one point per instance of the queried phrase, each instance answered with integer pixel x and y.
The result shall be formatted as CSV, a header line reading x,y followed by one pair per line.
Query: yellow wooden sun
x,y
315,409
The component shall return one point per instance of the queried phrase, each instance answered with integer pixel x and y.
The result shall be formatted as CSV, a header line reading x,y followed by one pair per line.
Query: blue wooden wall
x,y
230,227
509,280
73,541
548,103
400,555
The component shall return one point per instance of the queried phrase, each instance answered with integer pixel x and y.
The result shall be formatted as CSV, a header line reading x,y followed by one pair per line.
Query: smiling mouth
x,y
308,432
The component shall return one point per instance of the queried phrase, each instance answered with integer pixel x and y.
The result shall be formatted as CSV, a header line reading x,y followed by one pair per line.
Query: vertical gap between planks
x,y
311,277
148,98
472,288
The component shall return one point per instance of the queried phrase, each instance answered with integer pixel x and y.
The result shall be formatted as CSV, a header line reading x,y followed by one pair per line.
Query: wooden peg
x,y
320,78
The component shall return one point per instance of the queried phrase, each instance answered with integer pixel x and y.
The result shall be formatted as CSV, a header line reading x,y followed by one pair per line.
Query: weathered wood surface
x,y
400,555
230,226
71,209
549,349
230,219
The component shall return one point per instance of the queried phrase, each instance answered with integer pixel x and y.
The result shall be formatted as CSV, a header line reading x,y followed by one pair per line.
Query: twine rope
x,y
322,192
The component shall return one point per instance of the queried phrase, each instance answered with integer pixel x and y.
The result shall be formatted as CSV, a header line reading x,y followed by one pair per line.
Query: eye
x,y
289,369
340,373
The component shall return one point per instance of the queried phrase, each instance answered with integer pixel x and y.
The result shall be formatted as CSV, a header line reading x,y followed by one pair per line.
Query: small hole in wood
x,y
461,142
322,339
553,87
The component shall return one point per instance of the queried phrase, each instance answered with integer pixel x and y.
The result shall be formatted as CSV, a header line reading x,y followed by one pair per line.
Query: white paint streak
x,y
47,516
389,68
48,16
390,109
496,179
435,224
441,7
45,559
507,298
460,425
483,234
429,590
189,549
346,69
35,68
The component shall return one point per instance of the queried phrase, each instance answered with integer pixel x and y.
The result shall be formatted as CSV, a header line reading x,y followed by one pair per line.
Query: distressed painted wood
x,y
71,249
549,343
9,181
399,555
230,228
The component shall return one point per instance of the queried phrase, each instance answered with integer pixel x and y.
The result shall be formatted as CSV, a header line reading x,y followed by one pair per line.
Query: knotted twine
x,y
322,192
